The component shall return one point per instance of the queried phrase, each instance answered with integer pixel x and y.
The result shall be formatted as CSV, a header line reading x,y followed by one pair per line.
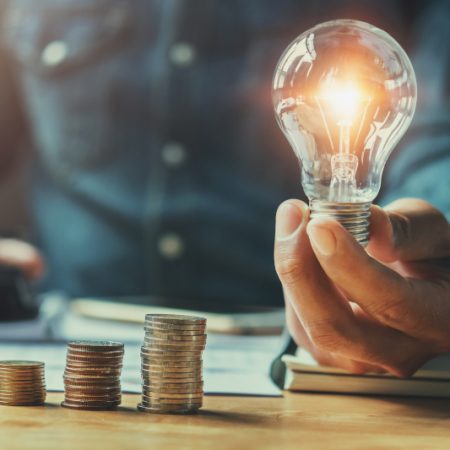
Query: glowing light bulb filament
x,y
342,104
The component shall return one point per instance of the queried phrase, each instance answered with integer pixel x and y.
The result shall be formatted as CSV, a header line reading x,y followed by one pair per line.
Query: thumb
x,y
408,230
290,234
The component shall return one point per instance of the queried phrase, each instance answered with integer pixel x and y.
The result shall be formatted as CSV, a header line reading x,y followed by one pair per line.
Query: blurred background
x,y
140,155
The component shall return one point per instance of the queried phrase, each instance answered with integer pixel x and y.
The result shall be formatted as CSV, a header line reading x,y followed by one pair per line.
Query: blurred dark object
x,y
17,300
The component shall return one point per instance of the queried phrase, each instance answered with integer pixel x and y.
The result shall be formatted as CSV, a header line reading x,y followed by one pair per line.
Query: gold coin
x,y
96,346
164,379
170,350
168,410
82,379
155,347
181,339
111,349
21,364
161,344
24,393
93,372
161,361
94,362
171,402
171,379
177,385
21,374
107,357
174,328
168,333
22,398
155,353
93,402
23,384
182,319
100,359
97,387
76,397
89,396
154,403
26,390
155,365
146,375
171,407
173,388
176,372
150,342
172,395
174,331
110,388
102,407
100,368
26,403
92,392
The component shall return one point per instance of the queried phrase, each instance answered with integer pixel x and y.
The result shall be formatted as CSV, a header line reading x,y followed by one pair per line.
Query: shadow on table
x,y
436,406
210,415
229,416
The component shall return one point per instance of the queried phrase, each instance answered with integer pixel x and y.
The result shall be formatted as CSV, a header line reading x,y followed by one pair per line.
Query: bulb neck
x,y
354,217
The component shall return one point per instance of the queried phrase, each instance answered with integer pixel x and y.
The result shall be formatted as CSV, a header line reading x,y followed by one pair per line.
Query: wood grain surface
x,y
297,421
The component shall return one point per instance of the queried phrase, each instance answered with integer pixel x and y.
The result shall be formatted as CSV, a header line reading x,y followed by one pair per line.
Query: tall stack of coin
x,y
172,364
92,375
22,383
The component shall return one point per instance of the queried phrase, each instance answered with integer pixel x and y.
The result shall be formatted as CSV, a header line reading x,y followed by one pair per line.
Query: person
x,y
157,167
385,309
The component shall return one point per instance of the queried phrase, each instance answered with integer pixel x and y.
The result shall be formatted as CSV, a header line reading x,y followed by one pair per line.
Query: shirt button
x,y
173,154
170,246
54,53
182,54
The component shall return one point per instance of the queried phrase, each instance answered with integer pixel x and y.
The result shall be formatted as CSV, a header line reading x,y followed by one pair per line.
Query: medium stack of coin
x,y
92,375
171,366
22,383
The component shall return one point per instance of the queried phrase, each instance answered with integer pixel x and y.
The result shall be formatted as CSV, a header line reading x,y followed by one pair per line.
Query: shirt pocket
x,y
68,56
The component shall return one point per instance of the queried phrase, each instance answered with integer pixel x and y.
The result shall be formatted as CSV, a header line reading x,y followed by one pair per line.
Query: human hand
x,y
384,309
23,256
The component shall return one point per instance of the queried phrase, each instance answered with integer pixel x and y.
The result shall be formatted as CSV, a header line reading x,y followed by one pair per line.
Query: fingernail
x,y
288,220
322,239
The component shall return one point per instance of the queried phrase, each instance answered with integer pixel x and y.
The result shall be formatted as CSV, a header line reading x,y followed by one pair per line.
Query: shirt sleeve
x,y
12,118
420,166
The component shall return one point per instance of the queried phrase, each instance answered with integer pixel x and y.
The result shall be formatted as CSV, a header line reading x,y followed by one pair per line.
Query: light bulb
x,y
344,94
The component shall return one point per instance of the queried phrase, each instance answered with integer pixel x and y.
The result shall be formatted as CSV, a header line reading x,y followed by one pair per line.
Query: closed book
x,y
305,374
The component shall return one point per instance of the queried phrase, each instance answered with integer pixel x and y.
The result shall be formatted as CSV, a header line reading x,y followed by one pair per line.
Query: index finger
x,y
408,230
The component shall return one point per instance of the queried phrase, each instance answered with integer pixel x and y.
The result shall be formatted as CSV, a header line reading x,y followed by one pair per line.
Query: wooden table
x,y
297,421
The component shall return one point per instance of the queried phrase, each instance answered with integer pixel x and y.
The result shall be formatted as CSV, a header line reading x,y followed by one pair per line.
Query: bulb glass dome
x,y
344,93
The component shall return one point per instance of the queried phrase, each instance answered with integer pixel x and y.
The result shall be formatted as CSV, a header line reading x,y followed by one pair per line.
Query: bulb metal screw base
x,y
354,217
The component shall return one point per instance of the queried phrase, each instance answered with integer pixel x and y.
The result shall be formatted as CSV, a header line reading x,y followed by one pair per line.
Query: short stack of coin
x,y
172,364
92,375
22,383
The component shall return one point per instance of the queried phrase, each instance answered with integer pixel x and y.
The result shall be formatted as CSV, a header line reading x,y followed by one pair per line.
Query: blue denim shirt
x,y
158,165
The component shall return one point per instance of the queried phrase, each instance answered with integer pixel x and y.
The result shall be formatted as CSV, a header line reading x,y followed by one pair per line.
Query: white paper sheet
x,y
232,364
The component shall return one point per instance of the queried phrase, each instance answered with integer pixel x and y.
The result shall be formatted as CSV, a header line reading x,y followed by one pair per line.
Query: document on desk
x,y
232,364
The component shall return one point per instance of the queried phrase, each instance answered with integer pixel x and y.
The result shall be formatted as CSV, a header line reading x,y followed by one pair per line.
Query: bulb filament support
x,y
354,217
